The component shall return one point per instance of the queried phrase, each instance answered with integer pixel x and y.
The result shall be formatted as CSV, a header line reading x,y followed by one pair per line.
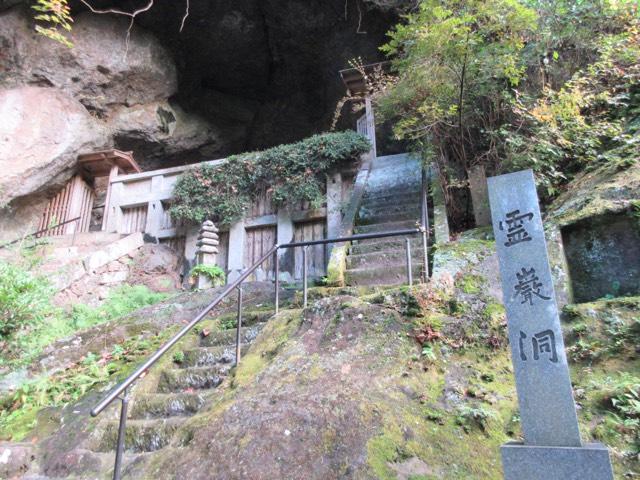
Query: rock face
x,y
240,76
101,71
41,134
124,84
162,129
266,71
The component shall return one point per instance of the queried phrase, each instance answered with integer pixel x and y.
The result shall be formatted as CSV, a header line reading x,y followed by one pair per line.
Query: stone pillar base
x,y
526,462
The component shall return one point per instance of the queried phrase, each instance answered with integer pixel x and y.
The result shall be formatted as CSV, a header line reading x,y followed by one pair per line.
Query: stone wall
x,y
155,266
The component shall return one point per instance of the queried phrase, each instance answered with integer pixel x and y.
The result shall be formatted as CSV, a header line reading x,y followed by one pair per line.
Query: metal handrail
x,y
120,392
4,245
178,336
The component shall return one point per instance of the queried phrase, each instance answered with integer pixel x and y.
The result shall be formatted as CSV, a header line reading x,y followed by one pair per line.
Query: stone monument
x,y
479,195
207,251
552,448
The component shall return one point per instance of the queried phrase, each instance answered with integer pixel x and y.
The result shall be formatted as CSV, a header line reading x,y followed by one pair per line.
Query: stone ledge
x,y
528,462
113,251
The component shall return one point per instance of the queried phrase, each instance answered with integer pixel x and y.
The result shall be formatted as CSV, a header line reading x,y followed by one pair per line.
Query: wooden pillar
x,y
155,209
371,125
237,236
107,203
334,204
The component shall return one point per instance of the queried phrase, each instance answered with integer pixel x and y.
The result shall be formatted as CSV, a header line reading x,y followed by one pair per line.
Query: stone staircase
x,y
391,202
179,389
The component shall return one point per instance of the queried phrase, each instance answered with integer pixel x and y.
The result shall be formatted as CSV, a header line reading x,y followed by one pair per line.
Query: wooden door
x,y
74,201
317,254
257,243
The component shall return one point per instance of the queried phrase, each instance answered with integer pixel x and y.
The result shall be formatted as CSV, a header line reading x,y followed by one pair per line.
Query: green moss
x,y
269,342
471,284
337,266
494,313
382,450
466,247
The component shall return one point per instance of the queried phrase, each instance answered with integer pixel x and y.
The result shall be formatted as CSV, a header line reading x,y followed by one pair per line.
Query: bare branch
x,y
115,11
119,12
359,18
186,14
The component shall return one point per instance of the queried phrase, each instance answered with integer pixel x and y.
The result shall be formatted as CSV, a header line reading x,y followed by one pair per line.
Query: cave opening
x,y
256,73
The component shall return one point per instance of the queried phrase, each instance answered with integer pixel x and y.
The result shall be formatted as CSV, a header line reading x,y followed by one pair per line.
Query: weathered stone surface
x,y
594,193
99,71
547,409
114,251
524,462
479,195
602,257
164,128
207,249
41,134
15,459
205,234
157,267
113,277
21,217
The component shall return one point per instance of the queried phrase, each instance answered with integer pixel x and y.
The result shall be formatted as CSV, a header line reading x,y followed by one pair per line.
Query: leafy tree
x,y
456,62
53,19
569,36
592,121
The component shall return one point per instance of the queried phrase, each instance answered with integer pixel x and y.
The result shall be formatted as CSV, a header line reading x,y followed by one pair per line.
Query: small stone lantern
x,y
207,251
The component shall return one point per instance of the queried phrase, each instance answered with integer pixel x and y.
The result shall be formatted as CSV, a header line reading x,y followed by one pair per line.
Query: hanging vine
x,y
291,173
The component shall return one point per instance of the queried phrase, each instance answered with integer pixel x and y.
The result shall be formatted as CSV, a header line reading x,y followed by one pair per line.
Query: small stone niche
x,y
603,254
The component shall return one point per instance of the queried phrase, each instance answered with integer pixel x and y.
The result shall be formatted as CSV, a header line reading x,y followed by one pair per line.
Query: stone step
x,y
393,257
249,318
208,356
140,436
84,238
381,275
163,405
368,217
385,227
228,337
389,208
382,198
181,379
385,243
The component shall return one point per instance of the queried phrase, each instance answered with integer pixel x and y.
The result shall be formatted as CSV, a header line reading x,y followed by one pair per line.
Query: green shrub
x,y
213,272
469,417
21,349
590,122
24,299
621,398
178,357
291,173
119,302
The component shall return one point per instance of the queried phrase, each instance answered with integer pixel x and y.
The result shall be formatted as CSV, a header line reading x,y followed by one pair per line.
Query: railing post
x,y
304,276
409,272
122,431
425,225
239,326
425,255
276,267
